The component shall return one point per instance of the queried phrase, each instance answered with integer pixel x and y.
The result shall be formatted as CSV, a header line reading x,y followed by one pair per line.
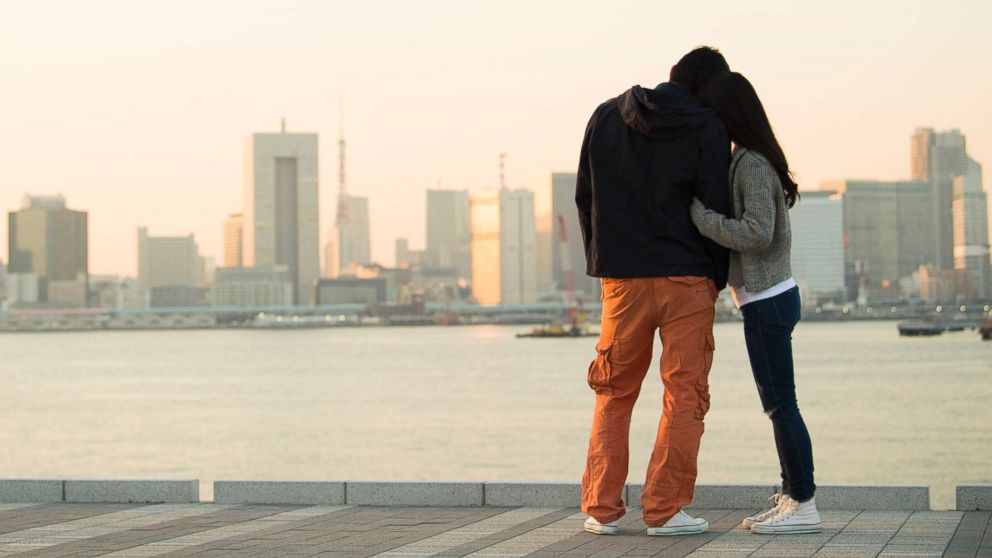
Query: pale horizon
x,y
137,113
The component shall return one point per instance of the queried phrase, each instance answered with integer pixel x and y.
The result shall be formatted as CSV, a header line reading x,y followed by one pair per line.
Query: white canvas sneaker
x,y
792,518
595,527
779,501
680,524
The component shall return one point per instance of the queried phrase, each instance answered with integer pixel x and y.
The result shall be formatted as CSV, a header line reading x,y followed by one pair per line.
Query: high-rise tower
x,y
940,157
281,207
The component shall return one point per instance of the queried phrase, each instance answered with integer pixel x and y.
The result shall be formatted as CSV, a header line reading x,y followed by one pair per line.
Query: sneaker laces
x,y
778,500
785,511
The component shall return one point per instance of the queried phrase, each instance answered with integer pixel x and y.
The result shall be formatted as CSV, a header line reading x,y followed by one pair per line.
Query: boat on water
x,y
923,328
920,329
556,330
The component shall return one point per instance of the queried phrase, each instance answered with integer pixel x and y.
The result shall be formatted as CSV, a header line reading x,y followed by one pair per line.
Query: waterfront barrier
x,y
98,490
452,494
971,497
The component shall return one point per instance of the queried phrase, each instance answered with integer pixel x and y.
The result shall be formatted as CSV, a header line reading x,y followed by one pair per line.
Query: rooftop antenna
x,y
342,214
502,171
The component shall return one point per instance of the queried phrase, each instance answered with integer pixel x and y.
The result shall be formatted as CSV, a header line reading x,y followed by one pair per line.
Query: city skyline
x,y
142,123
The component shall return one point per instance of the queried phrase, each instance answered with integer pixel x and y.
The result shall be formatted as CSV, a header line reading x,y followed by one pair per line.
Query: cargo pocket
x,y
601,370
707,345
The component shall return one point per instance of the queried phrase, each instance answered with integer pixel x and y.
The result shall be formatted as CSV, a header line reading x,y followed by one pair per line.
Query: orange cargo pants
x,y
682,308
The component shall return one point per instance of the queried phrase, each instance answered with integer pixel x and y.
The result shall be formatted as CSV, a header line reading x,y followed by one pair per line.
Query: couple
x,y
669,216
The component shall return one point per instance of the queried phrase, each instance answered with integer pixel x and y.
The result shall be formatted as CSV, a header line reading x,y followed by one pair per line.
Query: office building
x,y
939,157
369,292
888,229
168,269
21,289
504,239
105,291
554,195
945,285
50,241
232,241
252,287
818,246
449,234
971,233
280,213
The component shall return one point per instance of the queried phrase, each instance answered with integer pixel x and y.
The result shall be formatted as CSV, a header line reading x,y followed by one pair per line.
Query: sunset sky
x,y
137,111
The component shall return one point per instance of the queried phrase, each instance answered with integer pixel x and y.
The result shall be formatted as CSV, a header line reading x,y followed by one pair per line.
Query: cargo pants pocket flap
x,y
601,369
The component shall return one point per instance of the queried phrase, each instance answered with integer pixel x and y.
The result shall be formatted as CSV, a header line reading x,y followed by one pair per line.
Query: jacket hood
x,y
665,112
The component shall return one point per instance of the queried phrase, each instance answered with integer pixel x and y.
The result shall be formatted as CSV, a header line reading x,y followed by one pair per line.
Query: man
x,y
645,155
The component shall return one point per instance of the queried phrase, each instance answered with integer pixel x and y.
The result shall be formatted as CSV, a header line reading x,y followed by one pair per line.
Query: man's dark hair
x,y
698,67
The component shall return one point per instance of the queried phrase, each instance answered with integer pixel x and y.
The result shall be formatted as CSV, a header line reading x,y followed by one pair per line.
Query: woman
x,y
758,234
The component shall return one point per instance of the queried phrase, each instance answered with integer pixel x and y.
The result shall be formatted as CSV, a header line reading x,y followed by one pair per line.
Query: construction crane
x,y
576,318
567,276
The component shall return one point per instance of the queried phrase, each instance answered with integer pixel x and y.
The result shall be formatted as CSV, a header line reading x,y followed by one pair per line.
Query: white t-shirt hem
x,y
742,297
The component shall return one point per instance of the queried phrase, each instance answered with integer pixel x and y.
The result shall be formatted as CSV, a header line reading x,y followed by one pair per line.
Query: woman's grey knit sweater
x,y
758,229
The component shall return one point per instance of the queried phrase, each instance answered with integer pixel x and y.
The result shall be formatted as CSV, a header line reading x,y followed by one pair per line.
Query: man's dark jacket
x,y
645,155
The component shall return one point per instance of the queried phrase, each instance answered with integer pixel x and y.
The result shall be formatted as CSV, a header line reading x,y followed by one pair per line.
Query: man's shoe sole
x,y
601,530
684,530
786,529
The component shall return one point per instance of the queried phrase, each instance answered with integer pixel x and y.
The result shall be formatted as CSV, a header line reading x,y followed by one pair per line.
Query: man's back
x,y
645,155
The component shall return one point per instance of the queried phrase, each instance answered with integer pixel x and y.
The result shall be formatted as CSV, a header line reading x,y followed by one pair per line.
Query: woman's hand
x,y
696,210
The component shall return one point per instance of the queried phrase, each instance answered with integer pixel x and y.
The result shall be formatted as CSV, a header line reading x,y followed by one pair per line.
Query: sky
x,y
137,111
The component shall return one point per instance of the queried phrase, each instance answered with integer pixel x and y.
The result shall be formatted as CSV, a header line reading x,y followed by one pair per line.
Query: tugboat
x,y
558,330
920,329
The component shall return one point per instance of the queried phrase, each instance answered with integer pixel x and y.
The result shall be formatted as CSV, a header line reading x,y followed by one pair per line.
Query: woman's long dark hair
x,y
735,100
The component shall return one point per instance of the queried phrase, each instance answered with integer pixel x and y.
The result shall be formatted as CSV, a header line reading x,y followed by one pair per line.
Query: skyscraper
x,y
939,157
50,241
971,233
280,216
232,240
888,231
168,269
449,234
818,245
504,258
554,195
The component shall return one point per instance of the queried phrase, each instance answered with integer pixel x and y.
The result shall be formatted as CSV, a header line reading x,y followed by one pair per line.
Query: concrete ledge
x,y
873,497
414,493
540,495
854,497
971,497
30,490
717,496
279,492
144,491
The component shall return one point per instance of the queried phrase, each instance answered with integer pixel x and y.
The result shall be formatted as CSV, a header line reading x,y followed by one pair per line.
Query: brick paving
x,y
259,531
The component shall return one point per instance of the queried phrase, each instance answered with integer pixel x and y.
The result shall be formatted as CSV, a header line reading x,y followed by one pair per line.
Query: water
x,y
469,403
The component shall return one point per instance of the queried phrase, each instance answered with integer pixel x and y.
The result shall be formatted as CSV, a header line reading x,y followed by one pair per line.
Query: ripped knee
x,y
779,412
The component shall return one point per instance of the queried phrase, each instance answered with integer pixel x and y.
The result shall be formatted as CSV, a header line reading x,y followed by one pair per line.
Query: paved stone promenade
x,y
209,530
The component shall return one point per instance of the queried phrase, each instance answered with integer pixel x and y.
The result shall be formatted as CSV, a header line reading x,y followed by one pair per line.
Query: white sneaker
x,y
779,500
595,527
680,524
792,518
